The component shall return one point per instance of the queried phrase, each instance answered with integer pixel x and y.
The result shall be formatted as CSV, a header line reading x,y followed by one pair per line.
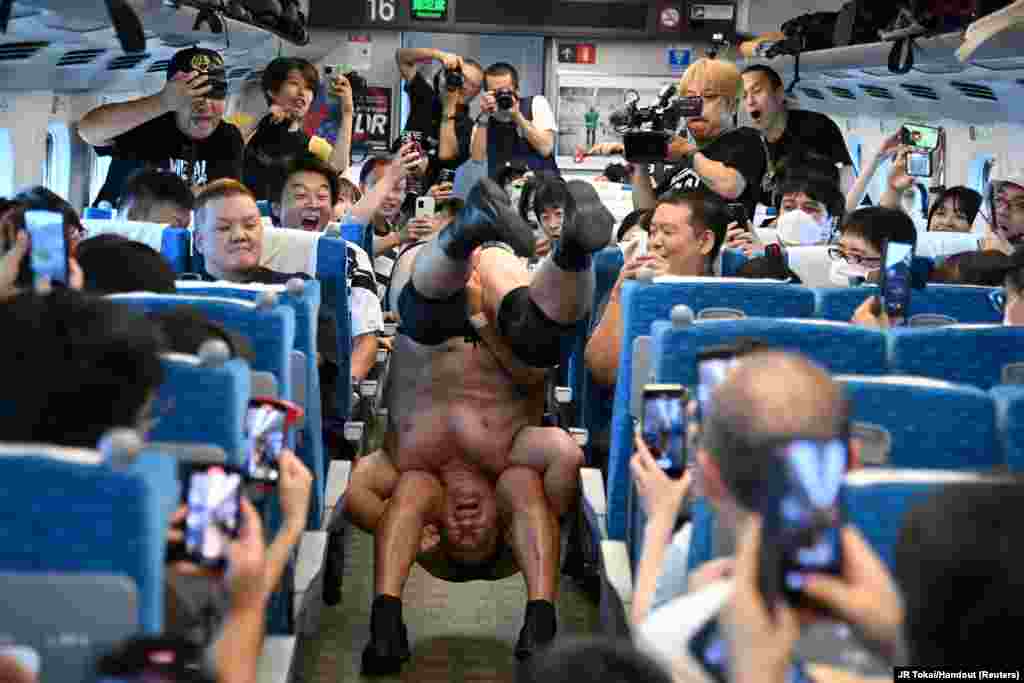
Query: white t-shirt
x,y
363,298
543,117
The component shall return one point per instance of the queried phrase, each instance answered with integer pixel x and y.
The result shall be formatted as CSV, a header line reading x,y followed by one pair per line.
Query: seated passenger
x,y
1008,197
39,198
459,483
180,129
306,202
687,231
113,264
954,210
348,196
154,196
767,396
857,256
290,85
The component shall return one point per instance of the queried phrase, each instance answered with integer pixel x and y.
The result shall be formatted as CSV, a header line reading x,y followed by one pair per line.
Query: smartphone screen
x,y
710,648
803,512
265,427
664,426
895,285
738,213
919,164
48,256
213,519
922,137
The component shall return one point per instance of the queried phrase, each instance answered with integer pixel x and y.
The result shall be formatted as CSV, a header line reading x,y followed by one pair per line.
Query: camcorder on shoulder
x,y
647,131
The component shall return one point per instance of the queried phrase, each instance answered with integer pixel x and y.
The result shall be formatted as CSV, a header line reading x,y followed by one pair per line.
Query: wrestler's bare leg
x,y
416,502
534,538
553,453
372,483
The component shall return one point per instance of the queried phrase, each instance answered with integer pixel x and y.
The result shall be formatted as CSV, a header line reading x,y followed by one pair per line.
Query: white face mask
x,y
797,228
841,273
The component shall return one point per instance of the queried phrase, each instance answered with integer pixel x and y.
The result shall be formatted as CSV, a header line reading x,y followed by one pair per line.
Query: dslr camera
x,y
646,131
453,79
505,98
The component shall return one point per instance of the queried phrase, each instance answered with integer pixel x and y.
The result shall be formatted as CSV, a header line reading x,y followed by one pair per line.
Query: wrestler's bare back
x,y
454,404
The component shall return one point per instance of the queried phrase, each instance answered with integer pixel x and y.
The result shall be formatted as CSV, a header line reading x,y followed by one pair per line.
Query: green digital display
x,y
429,10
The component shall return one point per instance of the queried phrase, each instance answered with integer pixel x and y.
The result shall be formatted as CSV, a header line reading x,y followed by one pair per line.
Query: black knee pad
x,y
535,338
431,321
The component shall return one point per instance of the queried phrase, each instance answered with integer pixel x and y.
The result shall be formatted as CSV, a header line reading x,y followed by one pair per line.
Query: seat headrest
x,y
150,234
289,251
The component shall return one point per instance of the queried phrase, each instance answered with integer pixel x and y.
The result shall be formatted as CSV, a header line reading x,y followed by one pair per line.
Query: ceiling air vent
x,y
125,62
159,66
842,93
16,52
238,72
877,92
975,91
80,57
813,93
921,92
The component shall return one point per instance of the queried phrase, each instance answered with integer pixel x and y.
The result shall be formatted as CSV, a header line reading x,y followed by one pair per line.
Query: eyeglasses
x,y
837,254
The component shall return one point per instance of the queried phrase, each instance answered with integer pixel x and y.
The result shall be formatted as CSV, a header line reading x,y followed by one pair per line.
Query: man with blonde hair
x,y
716,155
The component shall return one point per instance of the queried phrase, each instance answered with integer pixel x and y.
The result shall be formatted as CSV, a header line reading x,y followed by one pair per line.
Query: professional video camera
x,y
646,131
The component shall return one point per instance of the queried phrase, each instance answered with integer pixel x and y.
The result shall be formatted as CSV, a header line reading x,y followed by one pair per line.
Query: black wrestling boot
x,y
586,228
388,648
539,628
486,217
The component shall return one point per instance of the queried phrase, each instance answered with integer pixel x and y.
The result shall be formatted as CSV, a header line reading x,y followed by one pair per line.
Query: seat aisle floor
x,y
458,632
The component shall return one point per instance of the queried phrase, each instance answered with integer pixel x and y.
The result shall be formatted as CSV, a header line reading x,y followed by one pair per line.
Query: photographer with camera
x,y
727,160
289,86
514,130
440,112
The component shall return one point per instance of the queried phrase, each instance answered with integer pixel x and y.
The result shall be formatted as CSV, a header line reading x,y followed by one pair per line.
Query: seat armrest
x,y
595,506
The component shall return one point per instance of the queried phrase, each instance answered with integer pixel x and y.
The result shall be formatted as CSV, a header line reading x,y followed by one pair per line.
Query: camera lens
x,y
504,100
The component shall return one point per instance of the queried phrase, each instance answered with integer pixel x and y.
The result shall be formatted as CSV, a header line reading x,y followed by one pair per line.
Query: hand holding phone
x,y
47,259
267,424
919,136
425,207
895,280
919,164
738,215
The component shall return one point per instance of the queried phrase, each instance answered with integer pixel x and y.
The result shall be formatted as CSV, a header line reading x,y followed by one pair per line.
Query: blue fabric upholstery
x,y
271,332
204,404
359,234
636,523
878,505
1009,400
839,348
176,246
642,304
963,354
732,261
310,447
962,303
331,264
933,425
595,404
67,517
94,213
264,206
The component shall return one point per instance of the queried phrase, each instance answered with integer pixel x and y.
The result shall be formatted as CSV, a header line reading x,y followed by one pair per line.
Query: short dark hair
x,y
113,264
878,224
641,217
957,564
82,365
348,190
616,173
309,163
149,186
278,70
544,190
502,69
773,76
598,659
707,210
39,198
185,329
965,201
370,165
820,188
986,268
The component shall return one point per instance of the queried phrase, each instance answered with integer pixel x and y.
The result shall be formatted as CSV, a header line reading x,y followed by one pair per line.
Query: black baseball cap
x,y
201,60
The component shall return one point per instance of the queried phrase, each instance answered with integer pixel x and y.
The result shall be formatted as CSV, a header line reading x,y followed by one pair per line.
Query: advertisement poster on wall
x,y
576,103
371,129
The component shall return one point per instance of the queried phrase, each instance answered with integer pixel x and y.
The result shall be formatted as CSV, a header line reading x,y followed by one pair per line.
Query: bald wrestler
x,y
468,484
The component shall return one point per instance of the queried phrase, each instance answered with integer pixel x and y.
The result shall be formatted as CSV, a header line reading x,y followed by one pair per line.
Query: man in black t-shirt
x,y
726,160
439,113
180,129
792,136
